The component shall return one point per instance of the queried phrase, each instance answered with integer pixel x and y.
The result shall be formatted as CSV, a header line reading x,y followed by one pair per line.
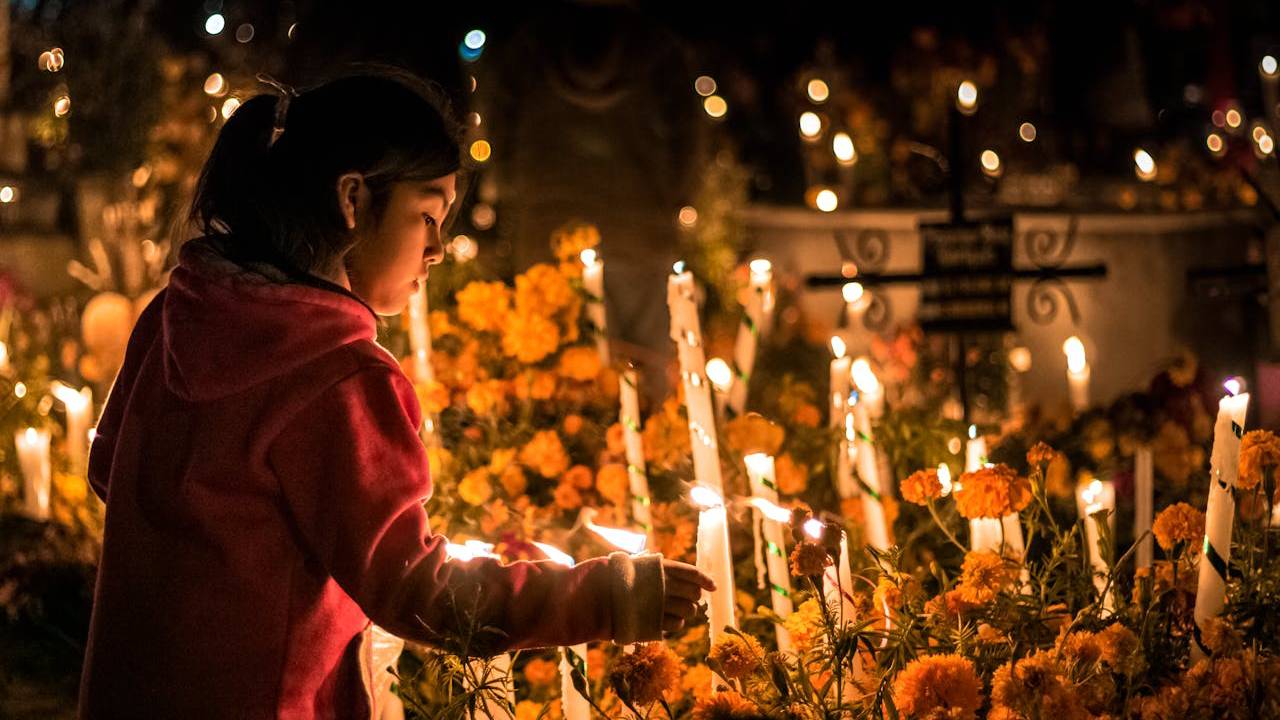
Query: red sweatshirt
x,y
264,480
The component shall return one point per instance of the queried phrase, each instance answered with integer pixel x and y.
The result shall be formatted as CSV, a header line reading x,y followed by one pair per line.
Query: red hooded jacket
x,y
264,479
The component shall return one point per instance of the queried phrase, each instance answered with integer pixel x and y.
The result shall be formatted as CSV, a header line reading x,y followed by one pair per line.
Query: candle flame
x,y
719,373
555,554
837,346
1074,350
631,542
852,292
1092,492
761,269
973,432
31,435
813,528
73,399
1232,386
589,256
771,510
760,464
470,550
944,477
93,434
850,433
705,497
864,377
678,267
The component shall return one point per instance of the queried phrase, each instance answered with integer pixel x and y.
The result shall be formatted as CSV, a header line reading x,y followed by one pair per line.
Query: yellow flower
x,y
1121,649
545,454
737,655
938,686
992,492
1037,686
440,324
475,488
697,682
572,424
569,241
792,477
513,481
673,532
727,705
1080,646
543,290
580,363
440,461
433,397
642,677
529,337
805,626
501,458
984,575
567,497
487,397
613,483
666,437
532,710
535,385
541,671
1259,450
484,305
752,433
615,440
894,591
1178,523
578,476
921,486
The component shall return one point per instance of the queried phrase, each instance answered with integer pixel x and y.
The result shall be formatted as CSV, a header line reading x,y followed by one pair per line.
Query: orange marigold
x,y
737,655
545,454
487,397
643,676
529,337
1178,523
752,433
475,488
580,363
484,305
921,486
992,492
727,705
578,476
1037,686
613,483
1041,454
567,497
984,575
809,559
805,626
615,440
433,396
1259,450
792,477
541,671
938,686
543,290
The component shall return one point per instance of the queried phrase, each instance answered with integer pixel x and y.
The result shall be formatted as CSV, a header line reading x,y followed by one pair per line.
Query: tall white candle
x,y
764,494
593,284
748,340
721,377
1092,497
79,407
839,409
858,429
1211,590
856,300
37,474
1143,502
1077,373
687,334
870,391
573,704
420,351
715,558
494,705
990,534
629,417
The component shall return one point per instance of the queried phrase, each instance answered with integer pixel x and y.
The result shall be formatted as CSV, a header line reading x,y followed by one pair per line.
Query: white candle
x,y
1077,373
629,417
858,430
687,334
593,284
975,451
79,407
4,357
870,391
1143,502
37,473
573,704
748,340
990,534
491,703
856,300
764,498
715,559
721,377
1211,590
420,351
839,409
837,579
1092,497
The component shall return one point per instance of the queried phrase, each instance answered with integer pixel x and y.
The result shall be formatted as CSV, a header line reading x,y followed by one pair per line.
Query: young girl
x,y
259,453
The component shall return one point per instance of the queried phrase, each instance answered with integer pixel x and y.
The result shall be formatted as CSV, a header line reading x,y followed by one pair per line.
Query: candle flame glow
x,y
589,257
967,96
864,377
631,542
760,464
770,510
69,396
678,267
31,435
1074,350
470,550
852,292
705,497
973,432
944,478
837,346
720,375
1232,386
555,554
813,528
761,270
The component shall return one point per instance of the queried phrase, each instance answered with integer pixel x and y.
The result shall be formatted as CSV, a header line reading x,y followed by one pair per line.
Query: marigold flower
x,y
792,477
513,481
529,337
805,626
572,424
567,496
985,575
484,305
580,363
543,290
737,655
578,476
615,440
613,483
809,559
1259,450
1041,454
1037,686
545,454
992,492
541,671
433,396
727,705
642,677
921,486
938,686
475,488
752,433
487,397
1178,523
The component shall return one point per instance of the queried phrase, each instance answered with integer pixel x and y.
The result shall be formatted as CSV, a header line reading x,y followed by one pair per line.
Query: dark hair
x,y
277,202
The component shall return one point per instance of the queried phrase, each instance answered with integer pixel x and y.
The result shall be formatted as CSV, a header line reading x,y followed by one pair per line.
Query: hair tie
x,y
284,93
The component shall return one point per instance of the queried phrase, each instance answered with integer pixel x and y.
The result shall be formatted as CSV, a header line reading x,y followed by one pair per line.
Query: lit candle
x,y
715,558
492,704
4,357
593,284
629,416
748,340
764,498
420,351
856,300
989,534
839,396
975,451
721,377
79,407
1077,373
837,579
870,391
1143,502
687,334
625,540
858,432
1211,591
573,704
37,474
1092,497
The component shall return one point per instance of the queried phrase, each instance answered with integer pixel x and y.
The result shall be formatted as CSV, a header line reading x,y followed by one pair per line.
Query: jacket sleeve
x,y
354,475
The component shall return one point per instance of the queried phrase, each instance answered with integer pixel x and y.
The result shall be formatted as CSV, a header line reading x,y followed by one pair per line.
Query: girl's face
x,y
394,251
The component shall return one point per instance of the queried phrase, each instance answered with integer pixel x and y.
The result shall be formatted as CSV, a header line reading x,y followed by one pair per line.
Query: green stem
x,y
938,521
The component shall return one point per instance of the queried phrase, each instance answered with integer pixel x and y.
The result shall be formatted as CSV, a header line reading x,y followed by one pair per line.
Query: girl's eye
x,y
430,220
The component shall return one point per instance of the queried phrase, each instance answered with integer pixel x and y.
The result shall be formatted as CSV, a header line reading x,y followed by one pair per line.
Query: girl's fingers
x,y
683,589
676,570
682,609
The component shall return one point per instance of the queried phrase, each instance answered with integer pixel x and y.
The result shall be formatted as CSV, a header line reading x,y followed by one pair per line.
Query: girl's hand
x,y
684,586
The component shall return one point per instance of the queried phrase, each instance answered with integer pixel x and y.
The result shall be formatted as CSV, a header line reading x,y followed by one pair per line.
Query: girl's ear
x,y
353,199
